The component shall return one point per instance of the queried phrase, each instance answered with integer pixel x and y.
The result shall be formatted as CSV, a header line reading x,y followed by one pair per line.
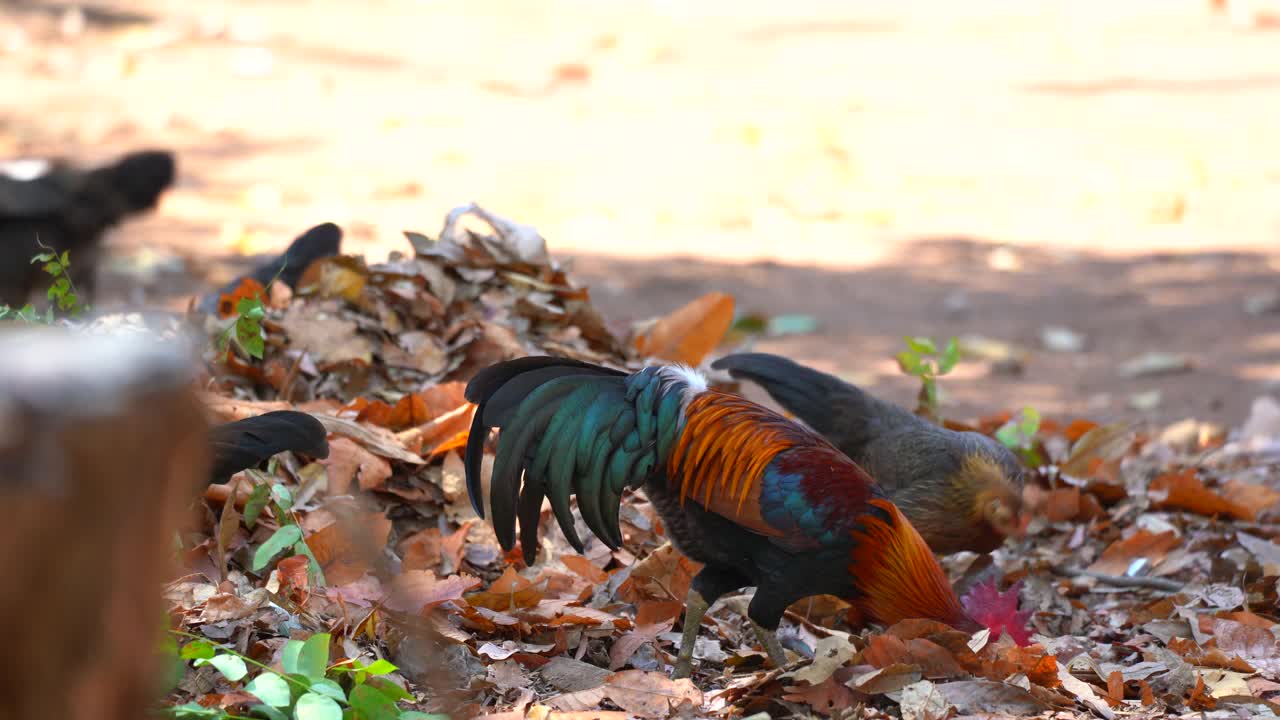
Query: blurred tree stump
x,y
102,447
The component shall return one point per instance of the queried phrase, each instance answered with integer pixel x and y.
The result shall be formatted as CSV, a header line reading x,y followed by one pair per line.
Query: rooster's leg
x,y
765,611
769,639
706,588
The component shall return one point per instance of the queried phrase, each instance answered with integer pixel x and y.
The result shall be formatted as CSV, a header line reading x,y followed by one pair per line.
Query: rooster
x,y
244,444
55,205
757,499
961,490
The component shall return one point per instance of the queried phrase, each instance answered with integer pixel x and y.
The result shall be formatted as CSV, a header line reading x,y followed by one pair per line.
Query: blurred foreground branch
x,y
102,445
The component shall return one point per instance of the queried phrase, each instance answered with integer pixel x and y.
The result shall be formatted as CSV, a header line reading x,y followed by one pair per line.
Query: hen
x,y
759,500
961,490
68,208
323,240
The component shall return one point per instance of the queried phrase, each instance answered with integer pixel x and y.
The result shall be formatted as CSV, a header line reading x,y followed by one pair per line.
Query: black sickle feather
x,y
246,443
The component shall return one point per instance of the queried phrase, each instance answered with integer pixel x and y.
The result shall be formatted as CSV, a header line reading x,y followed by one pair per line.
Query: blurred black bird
x,y
323,240
247,443
60,206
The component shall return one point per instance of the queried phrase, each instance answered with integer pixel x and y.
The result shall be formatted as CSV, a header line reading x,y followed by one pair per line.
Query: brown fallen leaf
x,y
421,550
652,694
379,441
330,339
1256,496
665,575
507,593
419,591
1254,645
349,462
1154,547
347,542
826,698
987,696
341,276
689,333
1183,490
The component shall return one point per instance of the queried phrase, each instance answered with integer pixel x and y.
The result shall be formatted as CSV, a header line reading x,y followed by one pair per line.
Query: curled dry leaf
x,y
691,332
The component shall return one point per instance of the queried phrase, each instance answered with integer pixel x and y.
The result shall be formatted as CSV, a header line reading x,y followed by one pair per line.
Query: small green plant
x,y
62,292
1019,435
247,329
308,689
288,535
921,359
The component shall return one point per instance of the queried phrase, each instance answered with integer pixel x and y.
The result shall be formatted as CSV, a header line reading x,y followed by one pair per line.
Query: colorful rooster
x,y
756,498
961,490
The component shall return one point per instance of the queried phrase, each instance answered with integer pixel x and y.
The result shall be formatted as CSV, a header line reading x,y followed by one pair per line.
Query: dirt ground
x,y
985,168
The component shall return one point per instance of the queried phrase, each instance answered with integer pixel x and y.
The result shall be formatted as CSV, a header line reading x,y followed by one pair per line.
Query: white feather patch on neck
x,y
694,381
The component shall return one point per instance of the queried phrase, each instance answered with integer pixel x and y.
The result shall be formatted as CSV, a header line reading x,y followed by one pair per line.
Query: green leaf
x,y
317,707
313,565
950,357
271,689
370,704
313,659
750,324
380,667
249,336
922,345
198,650
289,656
282,496
231,666
1008,436
911,364
41,257
250,309
269,712
1030,422
195,710
257,501
325,686
65,258
278,542
390,689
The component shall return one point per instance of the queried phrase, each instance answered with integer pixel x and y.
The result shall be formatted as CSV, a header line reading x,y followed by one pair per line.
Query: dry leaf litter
x,y
1151,569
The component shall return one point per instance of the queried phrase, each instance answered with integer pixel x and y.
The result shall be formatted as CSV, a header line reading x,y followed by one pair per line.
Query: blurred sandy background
x,y
991,167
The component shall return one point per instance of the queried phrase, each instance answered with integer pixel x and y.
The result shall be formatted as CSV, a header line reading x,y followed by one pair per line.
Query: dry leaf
x,y
1142,544
348,462
691,332
419,591
1185,491
651,694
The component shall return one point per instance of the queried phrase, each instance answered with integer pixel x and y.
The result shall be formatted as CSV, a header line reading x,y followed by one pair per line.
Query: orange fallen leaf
x,y
346,542
247,289
1183,490
409,410
508,592
422,550
1142,544
294,584
691,332
1251,495
336,276
348,461
584,568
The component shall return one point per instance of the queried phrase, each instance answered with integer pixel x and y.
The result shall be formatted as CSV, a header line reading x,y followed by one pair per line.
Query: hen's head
x,y
998,611
990,478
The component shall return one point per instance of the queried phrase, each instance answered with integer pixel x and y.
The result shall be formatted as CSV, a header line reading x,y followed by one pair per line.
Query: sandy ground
x,y
990,167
